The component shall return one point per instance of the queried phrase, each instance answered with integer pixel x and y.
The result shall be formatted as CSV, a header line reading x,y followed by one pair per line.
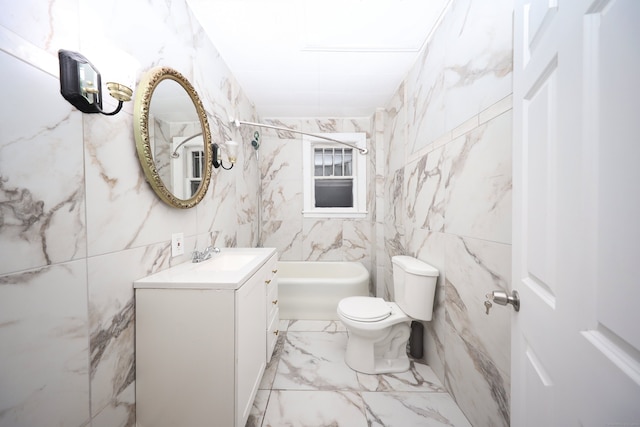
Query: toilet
x,y
379,330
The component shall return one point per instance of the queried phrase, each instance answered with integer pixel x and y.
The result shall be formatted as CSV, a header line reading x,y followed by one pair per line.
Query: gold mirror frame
x,y
144,92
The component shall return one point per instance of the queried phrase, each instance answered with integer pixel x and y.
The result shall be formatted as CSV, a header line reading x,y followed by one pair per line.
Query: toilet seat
x,y
364,309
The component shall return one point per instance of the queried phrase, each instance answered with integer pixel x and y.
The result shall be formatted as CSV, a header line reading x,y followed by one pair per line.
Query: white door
x,y
576,241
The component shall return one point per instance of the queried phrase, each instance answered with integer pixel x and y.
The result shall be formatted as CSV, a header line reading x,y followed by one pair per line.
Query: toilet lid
x,y
364,309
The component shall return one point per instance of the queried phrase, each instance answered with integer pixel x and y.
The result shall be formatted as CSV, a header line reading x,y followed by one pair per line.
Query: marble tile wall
x,y
78,222
283,225
447,198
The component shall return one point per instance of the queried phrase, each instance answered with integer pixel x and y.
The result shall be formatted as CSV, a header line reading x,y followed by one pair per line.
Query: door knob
x,y
503,298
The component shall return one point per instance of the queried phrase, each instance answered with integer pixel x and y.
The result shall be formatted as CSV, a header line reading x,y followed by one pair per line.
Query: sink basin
x,y
228,269
225,261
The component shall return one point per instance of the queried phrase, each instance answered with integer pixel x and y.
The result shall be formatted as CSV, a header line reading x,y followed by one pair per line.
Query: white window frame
x,y
359,209
181,167
189,176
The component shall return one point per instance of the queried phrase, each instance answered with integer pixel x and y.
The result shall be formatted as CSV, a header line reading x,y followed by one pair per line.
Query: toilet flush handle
x,y
503,298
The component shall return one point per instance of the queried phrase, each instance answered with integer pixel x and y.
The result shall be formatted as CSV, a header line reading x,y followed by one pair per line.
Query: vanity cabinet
x,y
201,349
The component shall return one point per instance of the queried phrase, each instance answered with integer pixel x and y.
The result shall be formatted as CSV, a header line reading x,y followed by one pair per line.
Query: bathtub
x,y
312,289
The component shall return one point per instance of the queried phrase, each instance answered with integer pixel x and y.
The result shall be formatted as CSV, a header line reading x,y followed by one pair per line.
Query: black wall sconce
x,y
81,84
232,154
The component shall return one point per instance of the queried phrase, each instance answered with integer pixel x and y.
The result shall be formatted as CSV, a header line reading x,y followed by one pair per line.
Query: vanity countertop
x,y
228,269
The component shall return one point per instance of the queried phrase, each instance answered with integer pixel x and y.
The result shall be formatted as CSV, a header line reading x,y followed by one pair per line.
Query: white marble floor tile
x,y
311,385
258,409
403,409
316,326
315,408
270,370
419,378
314,361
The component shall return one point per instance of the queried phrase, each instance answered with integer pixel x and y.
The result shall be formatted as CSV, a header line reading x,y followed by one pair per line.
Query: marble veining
x,y
465,68
306,409
314,362
326,126
479,182
282,133
314,387
357,240
426,192
43,360
329,326
395,193
33,216
412,409
322,239
479,340
101,338
20,203
271,169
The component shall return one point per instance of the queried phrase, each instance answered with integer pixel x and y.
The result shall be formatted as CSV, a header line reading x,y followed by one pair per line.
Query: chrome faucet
x,y
198,256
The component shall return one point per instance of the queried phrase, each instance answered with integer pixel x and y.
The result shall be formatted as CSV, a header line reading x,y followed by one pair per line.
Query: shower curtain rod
x,y
175,153
237,124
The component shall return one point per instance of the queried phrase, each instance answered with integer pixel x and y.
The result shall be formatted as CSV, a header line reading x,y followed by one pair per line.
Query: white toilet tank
x,y
414,286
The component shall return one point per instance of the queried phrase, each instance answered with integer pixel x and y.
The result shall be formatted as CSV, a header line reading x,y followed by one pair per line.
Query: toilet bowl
x,y
378,329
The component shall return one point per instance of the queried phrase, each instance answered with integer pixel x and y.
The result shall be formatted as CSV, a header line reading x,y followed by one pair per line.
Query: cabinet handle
x,y
274,302
274,271
267,281
276,332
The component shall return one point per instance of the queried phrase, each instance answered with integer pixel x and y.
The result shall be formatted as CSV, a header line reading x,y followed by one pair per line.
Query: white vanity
x,y
204,333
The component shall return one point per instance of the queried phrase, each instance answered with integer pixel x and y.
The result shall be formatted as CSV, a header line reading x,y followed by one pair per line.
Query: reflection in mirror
x,y
174,120
172,138
187,164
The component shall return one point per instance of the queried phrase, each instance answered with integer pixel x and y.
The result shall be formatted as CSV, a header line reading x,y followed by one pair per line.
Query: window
x,y
334,176
187,169
194,170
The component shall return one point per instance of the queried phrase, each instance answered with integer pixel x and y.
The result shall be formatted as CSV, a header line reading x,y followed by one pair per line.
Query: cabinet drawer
x,y
272,334
271,269
272,301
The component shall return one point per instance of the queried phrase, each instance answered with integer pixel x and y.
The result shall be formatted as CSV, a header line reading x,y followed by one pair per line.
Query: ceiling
x,y
312,58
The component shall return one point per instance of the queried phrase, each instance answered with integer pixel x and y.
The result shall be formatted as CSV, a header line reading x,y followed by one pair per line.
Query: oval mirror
x,y
172,136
